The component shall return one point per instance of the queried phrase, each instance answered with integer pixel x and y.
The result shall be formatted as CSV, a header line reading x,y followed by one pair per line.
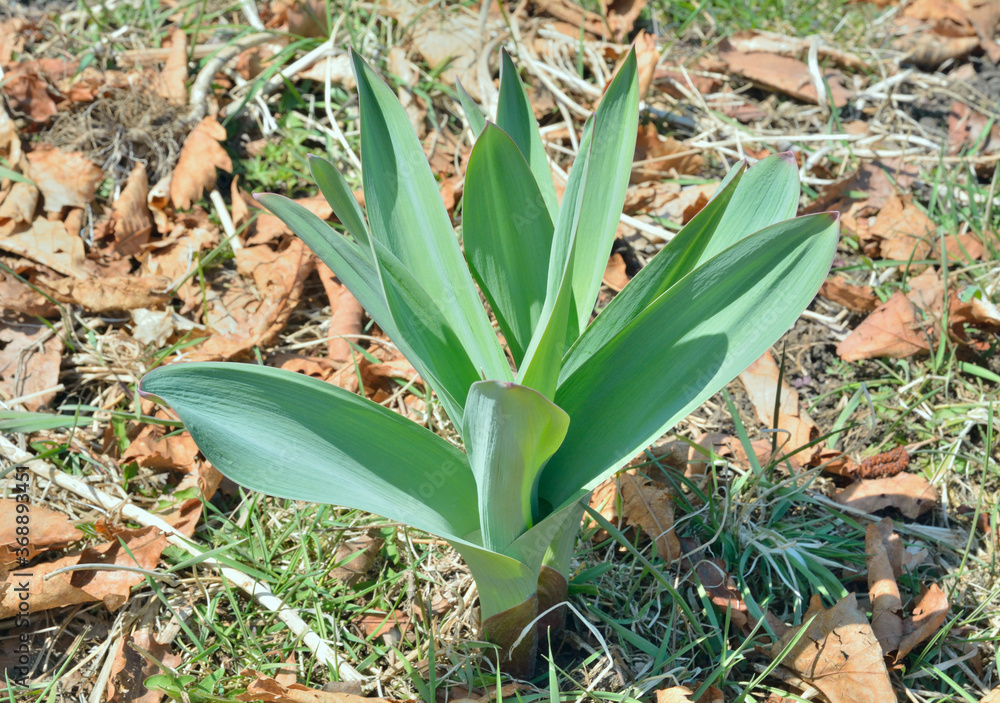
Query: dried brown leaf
x,y
658,157
991,697
854,297
882,548
200,156
615,277
48,243
910,494
50,529
929,613
130,669
65,179
347,318
621,15
30,355
114,293
172,84
243,316
111,587
903,229
902,326
838,654
783,74
20,203
722,591
356,557
650,506
760,380
131,219
265,689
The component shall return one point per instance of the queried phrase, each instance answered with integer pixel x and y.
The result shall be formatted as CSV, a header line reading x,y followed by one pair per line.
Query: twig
x,y
257,590
198,97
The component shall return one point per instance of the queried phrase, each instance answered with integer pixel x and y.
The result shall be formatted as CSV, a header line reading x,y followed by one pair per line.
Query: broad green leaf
x,y
609,165
510,431
540,367
341,198
517,119
429,333
476,119
747,201
407,215
684,346
669,265
440,363
292,436
352,264
507,235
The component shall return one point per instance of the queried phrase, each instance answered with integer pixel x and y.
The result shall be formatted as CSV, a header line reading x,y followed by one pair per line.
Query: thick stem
x,y
504,629
552,579
552,589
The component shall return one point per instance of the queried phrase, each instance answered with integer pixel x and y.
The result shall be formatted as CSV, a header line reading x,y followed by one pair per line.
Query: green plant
x,y
574,400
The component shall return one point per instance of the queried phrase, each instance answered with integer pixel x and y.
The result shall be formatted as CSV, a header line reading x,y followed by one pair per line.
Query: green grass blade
x,y
507,234
341,198
510,431
684,346
406,215
292,436
517,119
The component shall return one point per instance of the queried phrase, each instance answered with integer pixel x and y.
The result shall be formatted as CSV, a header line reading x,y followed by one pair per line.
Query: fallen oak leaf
x,y
887,605
655,157
356,557
903,230
114,293
854,297
50,529
346,319
200,156
131,221
783,74
130,668
837,653
49,243
20,203
264,689
615,276
991,697
64,179
929,614
109,586
722,591
910,494
30,355
902,326
650,506
682,694
760,380
172,83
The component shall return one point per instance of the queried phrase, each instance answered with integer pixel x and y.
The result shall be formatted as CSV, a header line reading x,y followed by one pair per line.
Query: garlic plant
x,y
569,400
